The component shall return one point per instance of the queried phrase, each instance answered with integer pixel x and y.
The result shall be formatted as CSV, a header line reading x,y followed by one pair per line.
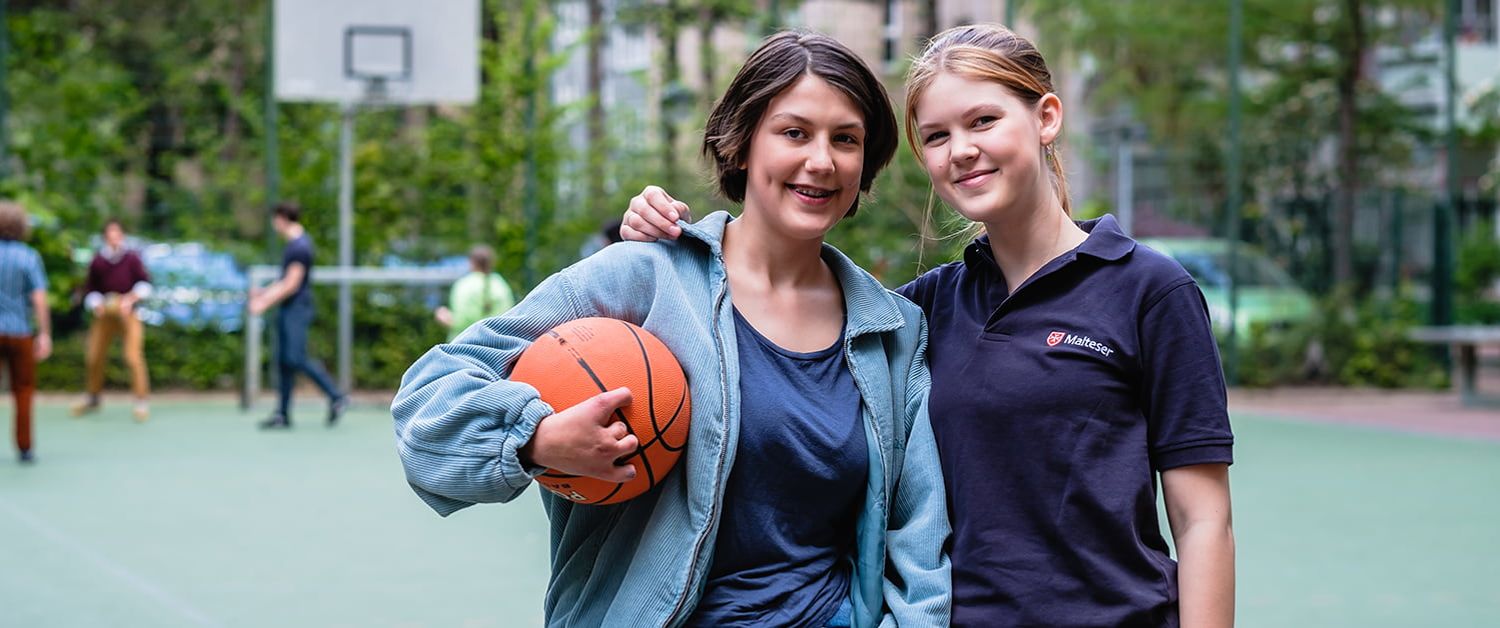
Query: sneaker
x,y
87,406
141,412
336,409
27,457
276,422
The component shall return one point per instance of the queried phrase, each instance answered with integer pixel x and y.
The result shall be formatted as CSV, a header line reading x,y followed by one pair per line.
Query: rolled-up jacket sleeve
x,y
918,586
459,423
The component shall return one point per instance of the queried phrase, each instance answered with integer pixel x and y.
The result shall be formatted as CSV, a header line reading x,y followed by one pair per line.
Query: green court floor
x,y
198,519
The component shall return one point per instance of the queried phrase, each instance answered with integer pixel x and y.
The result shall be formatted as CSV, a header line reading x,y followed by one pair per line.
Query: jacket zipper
x,y
874,422
713,513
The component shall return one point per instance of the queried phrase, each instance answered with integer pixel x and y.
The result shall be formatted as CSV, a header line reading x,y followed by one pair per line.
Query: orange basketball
x,y
579,359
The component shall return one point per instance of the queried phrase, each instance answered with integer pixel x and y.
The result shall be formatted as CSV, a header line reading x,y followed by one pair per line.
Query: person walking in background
x,y
477,295
23,286
294,292
117,281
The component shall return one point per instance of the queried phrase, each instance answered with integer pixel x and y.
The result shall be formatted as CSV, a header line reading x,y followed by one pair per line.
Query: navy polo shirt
x,y
1054,406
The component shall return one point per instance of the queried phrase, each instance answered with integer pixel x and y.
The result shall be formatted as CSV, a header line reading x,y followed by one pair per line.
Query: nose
x,y
819,158
961,149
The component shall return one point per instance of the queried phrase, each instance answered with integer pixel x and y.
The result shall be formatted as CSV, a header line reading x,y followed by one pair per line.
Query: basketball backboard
x,y
393,51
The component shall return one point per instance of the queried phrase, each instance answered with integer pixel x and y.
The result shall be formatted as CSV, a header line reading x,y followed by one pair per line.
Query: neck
x,y
294,230
1024,241
753,251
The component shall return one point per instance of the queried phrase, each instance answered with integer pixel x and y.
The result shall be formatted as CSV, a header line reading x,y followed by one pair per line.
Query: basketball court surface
x,y
198,519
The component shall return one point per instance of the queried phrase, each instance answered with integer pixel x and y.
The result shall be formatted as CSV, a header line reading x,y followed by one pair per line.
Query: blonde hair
x,y
986,52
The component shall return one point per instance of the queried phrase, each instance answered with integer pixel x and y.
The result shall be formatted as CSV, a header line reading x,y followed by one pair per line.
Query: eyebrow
x,y
806,122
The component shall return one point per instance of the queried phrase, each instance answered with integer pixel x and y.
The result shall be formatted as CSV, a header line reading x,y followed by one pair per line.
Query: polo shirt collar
x,y
1105,241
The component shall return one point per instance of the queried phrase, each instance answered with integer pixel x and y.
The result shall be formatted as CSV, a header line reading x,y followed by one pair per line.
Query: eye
x,y
983,121
846,138
796,134
935,137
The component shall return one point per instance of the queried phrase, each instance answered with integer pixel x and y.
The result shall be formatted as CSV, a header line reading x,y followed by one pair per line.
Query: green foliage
x,y
392,328
1160,64
1349,343
1478,260
176,357
152,111
1478,268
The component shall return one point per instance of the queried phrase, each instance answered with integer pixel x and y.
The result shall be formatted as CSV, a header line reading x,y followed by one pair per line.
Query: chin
x,y
977,208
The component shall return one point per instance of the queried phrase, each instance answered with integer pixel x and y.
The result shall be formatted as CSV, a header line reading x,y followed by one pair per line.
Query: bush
x,y
1478,267
1349,344
392,328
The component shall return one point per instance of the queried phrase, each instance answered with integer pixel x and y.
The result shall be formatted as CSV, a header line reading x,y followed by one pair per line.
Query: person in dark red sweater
x,y
116,282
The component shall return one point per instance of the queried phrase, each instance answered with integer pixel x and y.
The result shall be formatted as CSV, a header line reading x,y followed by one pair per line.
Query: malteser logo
x,y
1062,337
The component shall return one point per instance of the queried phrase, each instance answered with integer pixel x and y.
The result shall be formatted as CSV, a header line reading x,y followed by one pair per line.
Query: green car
x,y
1267,294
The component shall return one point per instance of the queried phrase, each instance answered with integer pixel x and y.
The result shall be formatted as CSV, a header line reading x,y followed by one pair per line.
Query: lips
x,y
811,193
973,177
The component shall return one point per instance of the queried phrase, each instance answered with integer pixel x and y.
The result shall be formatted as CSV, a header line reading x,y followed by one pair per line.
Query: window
x,y
1476,21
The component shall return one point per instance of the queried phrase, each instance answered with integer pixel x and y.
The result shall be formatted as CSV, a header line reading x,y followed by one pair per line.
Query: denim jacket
x,y
644,562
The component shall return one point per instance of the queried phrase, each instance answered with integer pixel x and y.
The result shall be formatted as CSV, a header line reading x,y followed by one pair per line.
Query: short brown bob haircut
x,y
780,61
13,221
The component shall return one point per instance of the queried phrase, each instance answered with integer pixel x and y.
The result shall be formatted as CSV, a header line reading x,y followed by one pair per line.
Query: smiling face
x,y
984,148
805,160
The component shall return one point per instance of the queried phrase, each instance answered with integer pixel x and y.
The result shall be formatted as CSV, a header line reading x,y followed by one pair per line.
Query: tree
x,y
1306,90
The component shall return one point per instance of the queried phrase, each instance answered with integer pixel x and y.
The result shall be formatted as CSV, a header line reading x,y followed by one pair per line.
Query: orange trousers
x,y
103,331
18,353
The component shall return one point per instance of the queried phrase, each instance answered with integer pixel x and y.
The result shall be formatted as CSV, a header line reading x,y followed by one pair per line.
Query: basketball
x,y
579,359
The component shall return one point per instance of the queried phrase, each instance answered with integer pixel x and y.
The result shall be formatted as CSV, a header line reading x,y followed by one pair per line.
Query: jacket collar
x,y
868,306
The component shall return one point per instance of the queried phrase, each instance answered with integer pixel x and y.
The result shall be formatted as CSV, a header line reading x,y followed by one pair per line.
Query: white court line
x,y
117,570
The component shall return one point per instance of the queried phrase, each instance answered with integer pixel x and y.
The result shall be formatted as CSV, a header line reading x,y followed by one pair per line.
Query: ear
x,y
1049,112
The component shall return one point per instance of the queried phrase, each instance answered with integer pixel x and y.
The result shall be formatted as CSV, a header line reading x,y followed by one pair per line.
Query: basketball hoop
x,y
386,52
375,91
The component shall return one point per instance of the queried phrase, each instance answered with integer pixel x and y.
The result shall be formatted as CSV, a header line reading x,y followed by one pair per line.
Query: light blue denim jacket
x,y
644,562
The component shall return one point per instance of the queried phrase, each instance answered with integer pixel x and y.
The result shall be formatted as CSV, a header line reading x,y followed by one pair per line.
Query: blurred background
x,y
1365,197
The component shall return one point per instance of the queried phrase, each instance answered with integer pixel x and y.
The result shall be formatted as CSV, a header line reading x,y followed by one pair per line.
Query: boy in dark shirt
x,y
293,291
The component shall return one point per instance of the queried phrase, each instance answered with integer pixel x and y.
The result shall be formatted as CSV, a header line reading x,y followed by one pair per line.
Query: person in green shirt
x,y
477,295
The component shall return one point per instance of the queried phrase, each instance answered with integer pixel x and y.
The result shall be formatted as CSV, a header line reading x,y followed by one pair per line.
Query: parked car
x,y
1267,294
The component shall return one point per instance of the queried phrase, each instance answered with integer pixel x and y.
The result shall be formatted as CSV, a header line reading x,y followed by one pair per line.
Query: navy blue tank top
x,y
782,554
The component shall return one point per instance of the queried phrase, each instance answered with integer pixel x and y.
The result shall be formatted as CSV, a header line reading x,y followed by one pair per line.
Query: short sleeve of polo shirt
x,y
1182,385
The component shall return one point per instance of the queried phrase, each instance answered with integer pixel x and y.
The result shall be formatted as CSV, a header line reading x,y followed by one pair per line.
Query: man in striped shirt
x,y
23,283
